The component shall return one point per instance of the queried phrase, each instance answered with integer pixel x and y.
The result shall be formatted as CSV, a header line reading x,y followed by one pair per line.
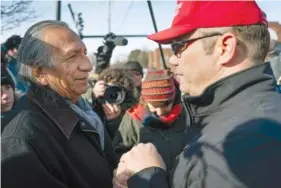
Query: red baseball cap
x,y
191,15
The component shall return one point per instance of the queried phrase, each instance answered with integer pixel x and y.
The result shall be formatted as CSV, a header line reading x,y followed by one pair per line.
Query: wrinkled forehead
x,y
62,40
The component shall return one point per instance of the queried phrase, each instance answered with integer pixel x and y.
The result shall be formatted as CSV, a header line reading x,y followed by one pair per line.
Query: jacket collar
x,y
55,107
222,92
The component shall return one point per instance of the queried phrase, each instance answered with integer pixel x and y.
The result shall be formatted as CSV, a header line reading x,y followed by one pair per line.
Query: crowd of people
x,y
213,120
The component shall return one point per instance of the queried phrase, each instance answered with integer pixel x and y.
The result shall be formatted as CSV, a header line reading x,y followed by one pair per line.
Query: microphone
x,y
120,41
111,39
104,52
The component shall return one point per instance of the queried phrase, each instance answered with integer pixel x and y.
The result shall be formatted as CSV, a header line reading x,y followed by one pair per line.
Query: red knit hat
x,y
191,15
158,85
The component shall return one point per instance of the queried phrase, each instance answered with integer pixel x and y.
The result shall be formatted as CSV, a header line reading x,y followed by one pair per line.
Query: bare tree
x,y
14,13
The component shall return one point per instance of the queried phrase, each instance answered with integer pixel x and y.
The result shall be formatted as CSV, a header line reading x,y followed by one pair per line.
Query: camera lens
x,y
114,94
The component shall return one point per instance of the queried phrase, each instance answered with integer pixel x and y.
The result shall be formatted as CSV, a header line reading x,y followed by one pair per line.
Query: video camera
x,y
104,52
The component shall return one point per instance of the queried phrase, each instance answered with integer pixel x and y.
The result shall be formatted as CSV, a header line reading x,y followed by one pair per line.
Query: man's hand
x,y
121,176
140,157
111,111
99,89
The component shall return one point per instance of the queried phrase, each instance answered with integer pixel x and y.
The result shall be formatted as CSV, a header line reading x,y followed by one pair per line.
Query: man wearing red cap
x,y
235,112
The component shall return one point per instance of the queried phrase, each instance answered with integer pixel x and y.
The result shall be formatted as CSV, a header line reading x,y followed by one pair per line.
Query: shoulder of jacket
x,y
23,125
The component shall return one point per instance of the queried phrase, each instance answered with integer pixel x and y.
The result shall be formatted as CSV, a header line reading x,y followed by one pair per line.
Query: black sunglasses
x,y
178,47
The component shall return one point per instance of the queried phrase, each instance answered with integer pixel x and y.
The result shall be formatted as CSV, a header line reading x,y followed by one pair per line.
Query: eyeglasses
x,y
180,46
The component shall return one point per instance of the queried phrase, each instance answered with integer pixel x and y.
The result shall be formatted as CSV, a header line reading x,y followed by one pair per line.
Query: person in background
x,y
112,114
55,138
158,118
11,47
234,139
8,98
136,74
4,63
136,71
4,60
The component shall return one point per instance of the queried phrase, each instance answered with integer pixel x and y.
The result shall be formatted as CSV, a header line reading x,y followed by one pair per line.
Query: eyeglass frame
x,y
185,43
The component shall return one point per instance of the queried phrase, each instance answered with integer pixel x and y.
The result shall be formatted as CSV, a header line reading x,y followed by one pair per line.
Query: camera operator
x,y
8,96
136,71
113,94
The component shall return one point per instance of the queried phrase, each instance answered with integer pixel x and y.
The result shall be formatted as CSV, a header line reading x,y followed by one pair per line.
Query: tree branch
x,y
14,13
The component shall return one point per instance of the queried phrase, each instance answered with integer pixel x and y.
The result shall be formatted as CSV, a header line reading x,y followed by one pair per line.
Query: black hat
x,y
13,42
6,78
134,65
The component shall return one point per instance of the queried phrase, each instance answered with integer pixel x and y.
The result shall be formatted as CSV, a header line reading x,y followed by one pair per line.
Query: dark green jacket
x,y
169,140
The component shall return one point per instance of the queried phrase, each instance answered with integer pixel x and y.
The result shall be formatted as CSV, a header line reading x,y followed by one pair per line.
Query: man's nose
x,y
159,111
86,65
4,97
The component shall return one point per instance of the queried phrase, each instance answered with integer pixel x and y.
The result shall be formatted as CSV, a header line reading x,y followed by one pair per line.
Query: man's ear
x,y
40,75
227,48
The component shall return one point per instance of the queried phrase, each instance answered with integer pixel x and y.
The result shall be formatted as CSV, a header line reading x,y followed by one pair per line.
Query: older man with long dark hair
x,y
55,139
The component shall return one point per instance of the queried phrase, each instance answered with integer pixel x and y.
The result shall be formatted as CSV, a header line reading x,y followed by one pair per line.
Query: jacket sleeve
x,y
126,136
17,156
153,177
